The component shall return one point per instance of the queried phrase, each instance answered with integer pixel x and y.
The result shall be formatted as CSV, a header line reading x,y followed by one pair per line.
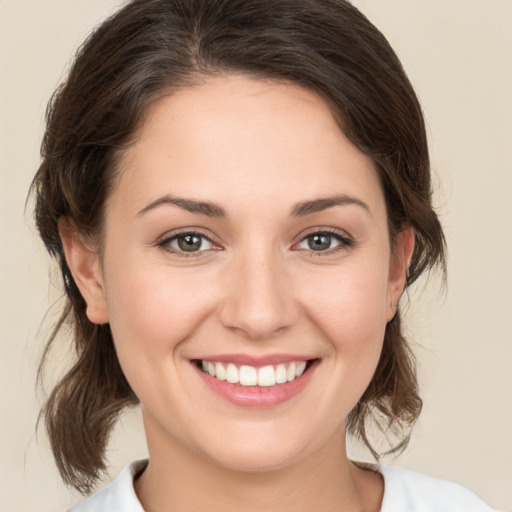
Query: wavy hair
x,y
149,49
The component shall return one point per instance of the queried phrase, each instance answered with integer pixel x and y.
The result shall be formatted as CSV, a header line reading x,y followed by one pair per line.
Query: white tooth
x,y
232,374
211,369
248,376
300,368
220,371
204,366
281,376
291,372
266,376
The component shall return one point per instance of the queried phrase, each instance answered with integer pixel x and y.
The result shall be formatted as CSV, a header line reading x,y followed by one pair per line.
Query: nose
x,y
259,300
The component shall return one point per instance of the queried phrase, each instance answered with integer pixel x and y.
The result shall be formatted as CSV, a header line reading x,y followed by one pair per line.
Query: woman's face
x,y
246,235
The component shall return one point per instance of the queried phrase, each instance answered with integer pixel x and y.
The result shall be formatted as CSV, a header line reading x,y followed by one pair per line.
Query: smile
x,y
246,375
256,383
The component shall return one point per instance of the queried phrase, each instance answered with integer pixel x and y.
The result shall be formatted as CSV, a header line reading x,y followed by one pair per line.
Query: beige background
x,y
458,54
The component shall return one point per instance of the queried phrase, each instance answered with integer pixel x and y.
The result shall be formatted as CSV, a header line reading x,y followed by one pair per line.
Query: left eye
x,y
188,243
322,241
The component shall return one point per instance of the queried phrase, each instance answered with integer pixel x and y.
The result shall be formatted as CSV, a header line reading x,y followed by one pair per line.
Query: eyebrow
x,y
202,207
317,205
213,210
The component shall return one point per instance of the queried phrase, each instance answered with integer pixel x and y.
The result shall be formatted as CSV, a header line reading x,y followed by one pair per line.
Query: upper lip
x,y
255,361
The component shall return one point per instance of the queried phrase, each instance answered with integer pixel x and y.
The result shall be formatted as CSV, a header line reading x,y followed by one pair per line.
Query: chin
x,y
258,453
254,459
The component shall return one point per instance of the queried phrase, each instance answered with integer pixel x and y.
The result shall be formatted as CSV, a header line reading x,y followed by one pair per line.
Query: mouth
x,y
257,385
246,375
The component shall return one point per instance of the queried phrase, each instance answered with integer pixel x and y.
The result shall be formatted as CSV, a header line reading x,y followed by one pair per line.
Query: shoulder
x,y
407,491
118,496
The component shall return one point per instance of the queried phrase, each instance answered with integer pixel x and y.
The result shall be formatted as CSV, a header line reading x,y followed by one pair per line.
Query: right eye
x,y
187,243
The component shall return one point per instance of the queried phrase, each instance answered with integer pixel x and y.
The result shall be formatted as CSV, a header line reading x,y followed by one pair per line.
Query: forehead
x,y
253,139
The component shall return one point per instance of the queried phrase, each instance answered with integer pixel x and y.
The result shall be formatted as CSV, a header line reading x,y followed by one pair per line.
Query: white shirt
x,y
404,491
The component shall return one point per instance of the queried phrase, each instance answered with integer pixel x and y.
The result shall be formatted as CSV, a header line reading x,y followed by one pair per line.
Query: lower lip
x,y
258,396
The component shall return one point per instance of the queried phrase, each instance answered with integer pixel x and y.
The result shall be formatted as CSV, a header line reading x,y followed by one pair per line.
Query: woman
x,y
238,194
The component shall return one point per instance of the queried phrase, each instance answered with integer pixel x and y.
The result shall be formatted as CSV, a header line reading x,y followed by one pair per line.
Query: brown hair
x,y
152,47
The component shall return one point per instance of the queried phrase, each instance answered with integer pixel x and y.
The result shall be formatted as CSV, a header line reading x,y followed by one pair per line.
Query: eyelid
x,y
346,240
165,240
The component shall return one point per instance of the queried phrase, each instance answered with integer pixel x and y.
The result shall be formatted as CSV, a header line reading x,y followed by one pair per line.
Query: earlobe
x,y
84,263
398,269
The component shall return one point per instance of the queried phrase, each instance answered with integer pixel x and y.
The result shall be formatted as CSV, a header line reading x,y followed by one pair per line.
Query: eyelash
x,y
165,244
345,242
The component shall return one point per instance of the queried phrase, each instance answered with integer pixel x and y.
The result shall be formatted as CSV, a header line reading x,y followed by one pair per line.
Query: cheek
x,y
350,309
151,314
351,301
155,310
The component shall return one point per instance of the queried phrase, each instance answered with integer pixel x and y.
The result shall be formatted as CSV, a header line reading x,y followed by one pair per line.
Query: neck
x,y
179,480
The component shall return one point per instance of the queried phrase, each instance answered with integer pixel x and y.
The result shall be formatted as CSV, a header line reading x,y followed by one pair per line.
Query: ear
x,y
398,266
83,261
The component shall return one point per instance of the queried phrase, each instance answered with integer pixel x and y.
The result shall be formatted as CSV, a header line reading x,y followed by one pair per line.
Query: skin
x,y
257,150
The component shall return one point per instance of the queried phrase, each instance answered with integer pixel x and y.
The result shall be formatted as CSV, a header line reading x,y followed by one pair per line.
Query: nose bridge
x,y
259,299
